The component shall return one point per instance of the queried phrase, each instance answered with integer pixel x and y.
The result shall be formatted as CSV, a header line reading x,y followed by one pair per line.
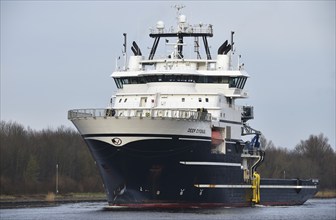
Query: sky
x,y
59,55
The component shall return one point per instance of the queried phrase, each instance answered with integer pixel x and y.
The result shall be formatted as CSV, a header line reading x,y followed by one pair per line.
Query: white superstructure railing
x,y
139,113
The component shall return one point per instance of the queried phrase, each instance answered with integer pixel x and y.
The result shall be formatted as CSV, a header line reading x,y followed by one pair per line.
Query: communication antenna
x,y
125,50
178,8
232,42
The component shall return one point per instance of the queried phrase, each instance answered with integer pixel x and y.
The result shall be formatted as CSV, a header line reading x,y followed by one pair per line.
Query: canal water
x,y
314,209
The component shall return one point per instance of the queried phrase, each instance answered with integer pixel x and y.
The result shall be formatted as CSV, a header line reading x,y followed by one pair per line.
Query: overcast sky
x,y
58,55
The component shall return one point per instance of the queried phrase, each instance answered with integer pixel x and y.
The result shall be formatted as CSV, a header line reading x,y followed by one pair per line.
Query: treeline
x,y
311,158
29,158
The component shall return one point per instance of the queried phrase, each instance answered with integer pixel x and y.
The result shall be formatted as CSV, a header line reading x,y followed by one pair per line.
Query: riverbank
x,y
50,199
326,194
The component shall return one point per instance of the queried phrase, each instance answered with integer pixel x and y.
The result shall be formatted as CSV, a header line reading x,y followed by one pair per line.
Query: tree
x,y
32,171
316,158
28,159
311,158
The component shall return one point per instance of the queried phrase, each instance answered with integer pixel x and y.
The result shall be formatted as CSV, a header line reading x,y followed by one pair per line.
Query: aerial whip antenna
x,y
178,8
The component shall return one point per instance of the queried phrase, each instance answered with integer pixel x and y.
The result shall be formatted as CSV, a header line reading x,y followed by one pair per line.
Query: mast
x,y
183,30
124,52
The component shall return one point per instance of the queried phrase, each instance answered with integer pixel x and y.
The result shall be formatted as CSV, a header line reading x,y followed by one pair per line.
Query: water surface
x,y
314,209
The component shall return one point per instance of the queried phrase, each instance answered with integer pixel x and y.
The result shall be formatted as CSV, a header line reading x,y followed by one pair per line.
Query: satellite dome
x,y
183,19
160,25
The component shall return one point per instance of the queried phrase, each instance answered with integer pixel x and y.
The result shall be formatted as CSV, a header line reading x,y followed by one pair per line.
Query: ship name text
x,y
197,131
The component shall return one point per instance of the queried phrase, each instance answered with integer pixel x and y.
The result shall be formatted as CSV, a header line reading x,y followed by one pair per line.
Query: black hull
x,y
175,173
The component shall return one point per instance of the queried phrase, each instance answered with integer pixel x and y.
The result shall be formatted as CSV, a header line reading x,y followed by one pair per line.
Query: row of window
x,y
199,99
235,82
182,99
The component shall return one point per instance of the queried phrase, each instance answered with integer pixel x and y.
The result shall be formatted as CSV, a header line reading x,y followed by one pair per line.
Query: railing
x,y
139,113
198,29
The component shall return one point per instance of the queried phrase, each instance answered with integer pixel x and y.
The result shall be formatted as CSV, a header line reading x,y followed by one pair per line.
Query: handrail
x,y
139,113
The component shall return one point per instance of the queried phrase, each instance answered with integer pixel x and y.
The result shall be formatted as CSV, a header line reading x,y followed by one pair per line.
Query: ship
x,y
173,135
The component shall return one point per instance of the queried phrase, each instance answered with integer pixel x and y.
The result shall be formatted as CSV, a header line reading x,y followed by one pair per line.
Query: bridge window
x,y
118,83
212,79
237,82
234,82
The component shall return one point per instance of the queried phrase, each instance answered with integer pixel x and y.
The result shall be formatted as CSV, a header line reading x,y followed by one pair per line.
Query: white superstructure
x,y
178,83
